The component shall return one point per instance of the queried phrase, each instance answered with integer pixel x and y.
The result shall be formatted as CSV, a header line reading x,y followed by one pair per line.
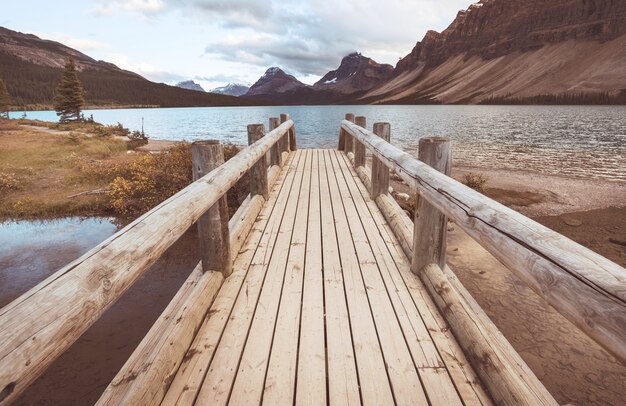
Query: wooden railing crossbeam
x,y
586,288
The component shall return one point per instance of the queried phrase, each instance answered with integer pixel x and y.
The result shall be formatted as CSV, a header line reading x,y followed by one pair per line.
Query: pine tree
x,y
70,96
5,100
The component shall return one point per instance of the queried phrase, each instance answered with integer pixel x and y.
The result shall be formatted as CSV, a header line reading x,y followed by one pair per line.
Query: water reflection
x,y
30,251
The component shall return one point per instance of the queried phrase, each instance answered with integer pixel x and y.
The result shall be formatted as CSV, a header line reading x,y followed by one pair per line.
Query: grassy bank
x,y
87,169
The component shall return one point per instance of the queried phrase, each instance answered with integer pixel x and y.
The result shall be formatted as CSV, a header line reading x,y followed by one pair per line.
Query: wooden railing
x,y
44,322
586,288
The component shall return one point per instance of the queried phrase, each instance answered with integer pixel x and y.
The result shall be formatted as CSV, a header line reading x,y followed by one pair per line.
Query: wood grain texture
x,y
509,379
191,374
349,139
258,172
213,233
359,148
147,374
502,370
380,172
41,324
431,226
284,142
276,157
586,288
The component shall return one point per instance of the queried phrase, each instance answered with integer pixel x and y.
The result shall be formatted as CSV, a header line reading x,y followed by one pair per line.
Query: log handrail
x,y
586,288
45,321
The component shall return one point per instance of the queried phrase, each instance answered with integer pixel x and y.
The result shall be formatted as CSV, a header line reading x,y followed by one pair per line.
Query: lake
x,y
580,141
30,251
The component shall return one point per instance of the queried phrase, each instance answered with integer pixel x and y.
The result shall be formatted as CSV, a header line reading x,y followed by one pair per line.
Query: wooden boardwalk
x,y
319,289
322,305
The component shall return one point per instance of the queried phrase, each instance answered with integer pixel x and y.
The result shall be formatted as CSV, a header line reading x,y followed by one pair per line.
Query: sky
x,y
215,42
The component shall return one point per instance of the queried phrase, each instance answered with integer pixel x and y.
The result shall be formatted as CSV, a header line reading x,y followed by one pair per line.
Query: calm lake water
x,y
588,141
30,251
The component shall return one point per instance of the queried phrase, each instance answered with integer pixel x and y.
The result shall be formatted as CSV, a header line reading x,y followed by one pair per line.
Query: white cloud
x,y
107,8
144,69
305,37
81,44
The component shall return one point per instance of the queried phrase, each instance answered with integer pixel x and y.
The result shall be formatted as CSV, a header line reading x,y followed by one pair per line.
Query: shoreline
x,y
572,367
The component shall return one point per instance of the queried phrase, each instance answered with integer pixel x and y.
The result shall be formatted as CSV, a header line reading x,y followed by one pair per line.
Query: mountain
x,y
190,85
232,89
356,73
31,68
516,51
275,82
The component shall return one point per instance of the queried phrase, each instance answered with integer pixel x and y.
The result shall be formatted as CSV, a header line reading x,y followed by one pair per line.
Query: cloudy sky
x,y
218,41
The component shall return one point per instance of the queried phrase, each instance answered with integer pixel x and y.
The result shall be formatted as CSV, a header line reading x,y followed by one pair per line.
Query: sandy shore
x,y
591,212
572,366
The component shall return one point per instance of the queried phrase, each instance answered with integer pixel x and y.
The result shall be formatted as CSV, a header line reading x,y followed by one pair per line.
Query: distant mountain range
x,y
355,75
496,51
232,89
31,68
190,85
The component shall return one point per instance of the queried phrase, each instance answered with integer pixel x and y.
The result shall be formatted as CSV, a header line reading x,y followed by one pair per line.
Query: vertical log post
x,y
213,233
380,172
292,139
430,226
258,172
349,140
359,148
276,155
284,141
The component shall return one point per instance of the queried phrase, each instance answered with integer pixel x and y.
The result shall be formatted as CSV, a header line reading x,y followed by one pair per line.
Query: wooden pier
x,y
320,289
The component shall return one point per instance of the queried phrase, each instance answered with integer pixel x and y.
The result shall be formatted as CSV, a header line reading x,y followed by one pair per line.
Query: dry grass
x,y
40,171
476,181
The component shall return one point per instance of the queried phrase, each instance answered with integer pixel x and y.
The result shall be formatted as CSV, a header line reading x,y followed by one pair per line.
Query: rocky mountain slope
x,y
499,50
355,75
190,85
232,89
275,82
31,68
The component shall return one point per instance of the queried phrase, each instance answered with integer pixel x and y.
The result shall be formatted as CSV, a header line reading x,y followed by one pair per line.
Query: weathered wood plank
x,y
487,350
401,370
258,172
509,379
146,376
343,383
213,232
359,148
583,286
349,139
426,327
281,362
369,359
186,385
41,324
227,360
380,172
430,225
311,383
276,156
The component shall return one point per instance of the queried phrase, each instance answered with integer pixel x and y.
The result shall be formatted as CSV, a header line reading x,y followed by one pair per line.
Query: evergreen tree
x,y
70,96
5,100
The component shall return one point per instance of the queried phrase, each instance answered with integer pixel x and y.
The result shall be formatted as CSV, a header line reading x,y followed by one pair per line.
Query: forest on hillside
x,y
31,84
